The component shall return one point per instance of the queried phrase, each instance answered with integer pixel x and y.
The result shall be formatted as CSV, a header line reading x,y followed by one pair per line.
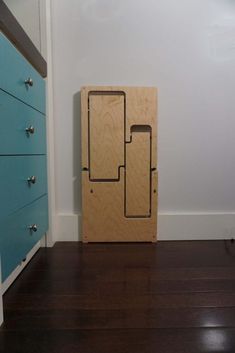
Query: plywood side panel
x,y
103,213
106,135
138,175
103,207
119,191
141,109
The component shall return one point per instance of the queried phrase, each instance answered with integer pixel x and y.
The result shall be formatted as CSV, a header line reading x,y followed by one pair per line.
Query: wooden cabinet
x,y
119,164
23,162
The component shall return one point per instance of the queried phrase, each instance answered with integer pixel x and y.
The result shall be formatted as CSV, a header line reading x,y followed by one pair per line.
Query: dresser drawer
x,y
17,239
15,70
16,187
15,118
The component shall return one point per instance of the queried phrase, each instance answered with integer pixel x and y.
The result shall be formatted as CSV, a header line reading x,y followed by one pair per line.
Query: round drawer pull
x,y
32,179
33,228
29,82
30,130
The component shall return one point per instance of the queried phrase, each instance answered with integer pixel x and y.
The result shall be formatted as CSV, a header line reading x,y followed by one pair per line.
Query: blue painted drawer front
x,y
15,190
14,71
15,118
16,239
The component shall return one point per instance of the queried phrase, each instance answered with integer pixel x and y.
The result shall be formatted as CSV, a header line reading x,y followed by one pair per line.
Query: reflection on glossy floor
x,y
136,298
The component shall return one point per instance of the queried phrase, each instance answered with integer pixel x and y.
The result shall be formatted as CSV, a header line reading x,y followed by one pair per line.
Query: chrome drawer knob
x,y
30,130
29,82
33,228
32,179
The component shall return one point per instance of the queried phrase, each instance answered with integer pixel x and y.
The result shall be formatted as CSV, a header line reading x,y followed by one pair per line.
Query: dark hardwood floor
x,y
167,297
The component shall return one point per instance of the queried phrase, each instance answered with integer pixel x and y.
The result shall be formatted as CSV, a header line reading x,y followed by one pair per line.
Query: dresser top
x,y
16,34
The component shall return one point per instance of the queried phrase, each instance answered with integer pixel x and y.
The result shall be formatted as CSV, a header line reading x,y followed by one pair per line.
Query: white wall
x,y
187,49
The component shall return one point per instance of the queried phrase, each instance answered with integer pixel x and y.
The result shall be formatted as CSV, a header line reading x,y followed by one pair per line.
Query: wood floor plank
x,y
129,274
160,255
166,297
141,287
119,341
95,301
118,319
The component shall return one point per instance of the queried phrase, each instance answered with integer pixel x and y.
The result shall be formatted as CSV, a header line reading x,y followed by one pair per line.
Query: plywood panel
x,y
103,217
106,134
138,175
123,209
141,109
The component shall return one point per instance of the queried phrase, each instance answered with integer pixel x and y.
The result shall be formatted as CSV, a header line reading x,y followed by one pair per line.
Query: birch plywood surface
x,y
119,160
138,180
141,109
106,135
103,213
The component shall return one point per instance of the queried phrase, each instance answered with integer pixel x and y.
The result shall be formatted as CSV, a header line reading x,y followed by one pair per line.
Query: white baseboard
x,y
198,226
68,227
171,226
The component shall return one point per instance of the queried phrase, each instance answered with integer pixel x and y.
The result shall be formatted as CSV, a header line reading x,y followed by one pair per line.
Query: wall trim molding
x,y
171,226
51,234
196,226
68,227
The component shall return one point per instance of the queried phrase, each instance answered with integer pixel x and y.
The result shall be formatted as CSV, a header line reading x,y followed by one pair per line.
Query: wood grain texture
x,y
106,126
165,297
103,213
138,176
93,319
15,33
125,209
142,110
120,341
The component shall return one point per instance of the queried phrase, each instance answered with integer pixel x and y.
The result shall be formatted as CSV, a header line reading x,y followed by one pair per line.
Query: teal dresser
x,y
23,162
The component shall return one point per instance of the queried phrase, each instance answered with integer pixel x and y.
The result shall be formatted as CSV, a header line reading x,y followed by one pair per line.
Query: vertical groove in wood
x,y
138,176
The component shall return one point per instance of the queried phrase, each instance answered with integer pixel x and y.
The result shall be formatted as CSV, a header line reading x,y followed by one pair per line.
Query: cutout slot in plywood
x,y
138,173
